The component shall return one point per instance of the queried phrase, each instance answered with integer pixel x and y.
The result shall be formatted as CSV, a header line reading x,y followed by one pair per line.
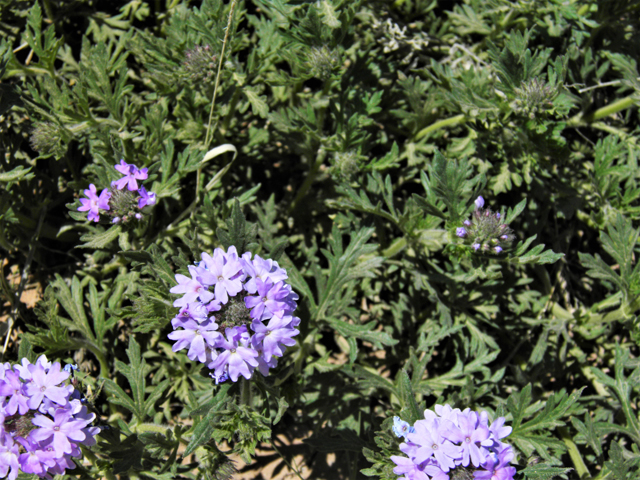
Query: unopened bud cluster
x,y
345,165
534,97
49,138
200,63
122,205
485,231
322,61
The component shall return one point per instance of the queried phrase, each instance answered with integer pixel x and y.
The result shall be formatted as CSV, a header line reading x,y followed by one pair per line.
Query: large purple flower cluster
x,y
122,205
450,441
235,314
42,419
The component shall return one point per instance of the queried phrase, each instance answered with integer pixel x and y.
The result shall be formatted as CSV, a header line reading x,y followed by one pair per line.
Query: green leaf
x,y
587,430
408,398
620,243
369,379
514,212
390,160
363,332
542,471
72,301
345,266
135,372
622,386
328,13
282,407
26,349
536,433
203,431
619,465
535,255
17,174
258,103
102,239
239,232
452,183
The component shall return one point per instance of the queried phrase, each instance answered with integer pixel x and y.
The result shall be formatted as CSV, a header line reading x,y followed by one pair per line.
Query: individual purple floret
x,y
450,443
497,466
131,175
93,203
43,421
479,202
46,384
270,300
235,314
146,198
461,232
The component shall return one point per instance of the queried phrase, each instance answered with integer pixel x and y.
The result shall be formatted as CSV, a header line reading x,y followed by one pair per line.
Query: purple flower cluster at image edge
x,y
94,203
450,439
235,314
43,421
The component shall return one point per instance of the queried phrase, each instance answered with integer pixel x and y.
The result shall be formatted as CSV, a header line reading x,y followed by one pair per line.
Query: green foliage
x,y
136,371
533,435
348,141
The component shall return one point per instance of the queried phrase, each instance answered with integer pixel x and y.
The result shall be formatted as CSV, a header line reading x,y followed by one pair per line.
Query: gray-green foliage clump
x,y
347,141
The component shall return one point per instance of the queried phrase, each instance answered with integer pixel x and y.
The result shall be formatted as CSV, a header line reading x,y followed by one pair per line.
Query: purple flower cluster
x,y
42,420
485,230
127,204
449,441
235,314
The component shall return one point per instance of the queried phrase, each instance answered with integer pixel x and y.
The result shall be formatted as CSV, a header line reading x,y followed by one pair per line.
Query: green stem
x,y
245,393
320,156
606,111
150,427
311,176
624,312
89,455
598,387
48,10
294,470
614,131
323,110
395,248
93,348
232,110
208,137
447,122
574,453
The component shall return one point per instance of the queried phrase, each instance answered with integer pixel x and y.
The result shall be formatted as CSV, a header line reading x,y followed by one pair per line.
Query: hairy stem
x,y
215,88
447,122
574,453
308,181
245,392
606,111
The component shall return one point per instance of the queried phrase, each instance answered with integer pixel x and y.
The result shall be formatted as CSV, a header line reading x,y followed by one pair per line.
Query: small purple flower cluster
x,y
449,442
42,419
485,231
126,204
245,297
